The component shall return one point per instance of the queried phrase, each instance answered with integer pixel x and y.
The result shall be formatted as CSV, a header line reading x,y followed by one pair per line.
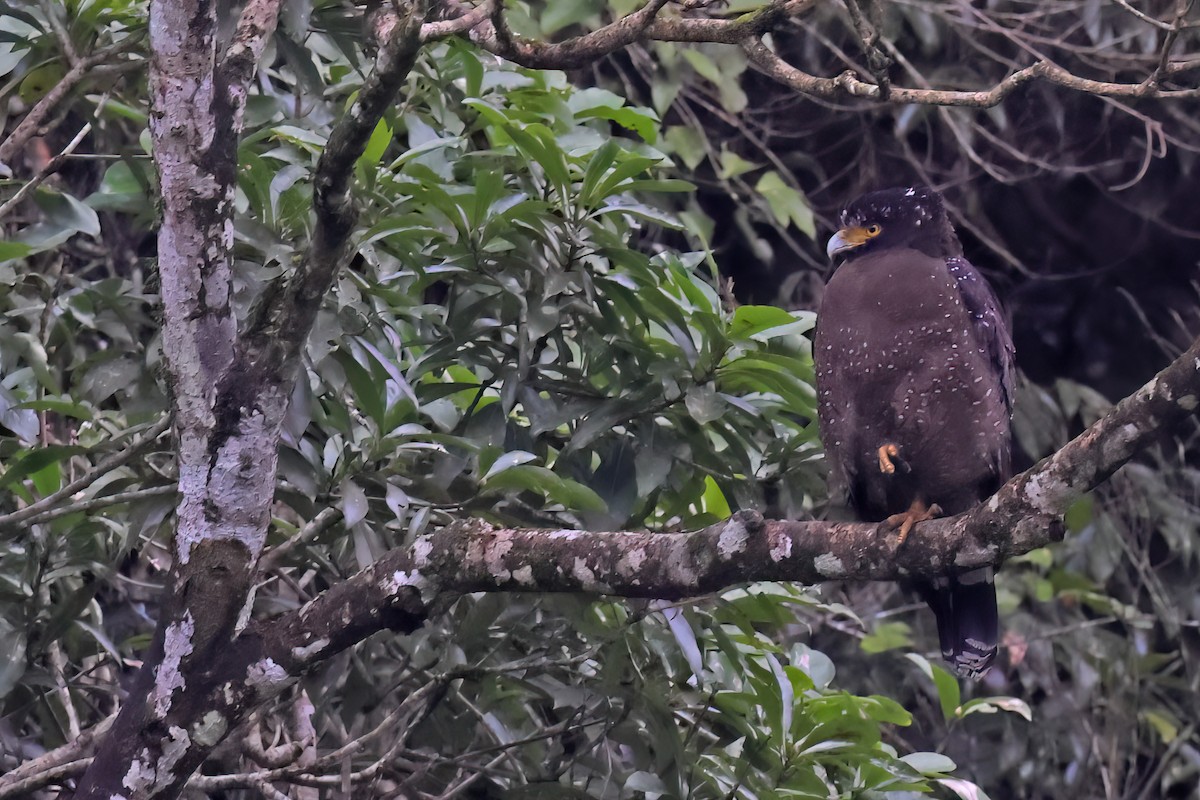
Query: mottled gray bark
x,y
229,390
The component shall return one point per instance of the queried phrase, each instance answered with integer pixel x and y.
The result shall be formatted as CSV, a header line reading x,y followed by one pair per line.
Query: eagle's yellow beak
x,y
846,239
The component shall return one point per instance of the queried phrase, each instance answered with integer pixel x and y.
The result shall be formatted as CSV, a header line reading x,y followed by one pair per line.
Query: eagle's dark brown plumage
x,y
914,379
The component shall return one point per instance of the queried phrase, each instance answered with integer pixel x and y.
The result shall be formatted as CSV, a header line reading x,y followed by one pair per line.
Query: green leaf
x,y
887,636
687,143
714,501
1164,724
704,66
12,656
28,462
733,165
643,122
377,145
308,140
563,13
571,494
1080,513
601,160
931,764
576,496
788,205
647,784
749,320
992,705
622,172
354,503
65,212
120,190
48,479
964,789
17,417
367,391
11,250
949,692
507,461
885,709
67,612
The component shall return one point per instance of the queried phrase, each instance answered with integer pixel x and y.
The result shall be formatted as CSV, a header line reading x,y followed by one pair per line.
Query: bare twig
x,y
315,527
747,30
49,767
104,501
86,68
432,31
107,465
868,34
21,787
51,12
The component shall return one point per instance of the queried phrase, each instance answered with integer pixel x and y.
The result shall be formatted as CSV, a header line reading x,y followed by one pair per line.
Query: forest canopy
x,y
416,399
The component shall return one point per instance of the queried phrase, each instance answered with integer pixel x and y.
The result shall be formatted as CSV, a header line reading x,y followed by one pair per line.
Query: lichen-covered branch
x,y
401,589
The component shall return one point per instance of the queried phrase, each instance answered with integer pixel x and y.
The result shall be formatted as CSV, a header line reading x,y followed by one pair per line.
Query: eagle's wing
x,y
987,318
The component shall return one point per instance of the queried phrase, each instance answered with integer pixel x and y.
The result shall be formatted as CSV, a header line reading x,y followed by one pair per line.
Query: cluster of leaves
x,y
77,376
502,345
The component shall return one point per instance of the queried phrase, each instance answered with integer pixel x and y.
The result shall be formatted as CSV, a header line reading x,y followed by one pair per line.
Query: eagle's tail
x,y
968,625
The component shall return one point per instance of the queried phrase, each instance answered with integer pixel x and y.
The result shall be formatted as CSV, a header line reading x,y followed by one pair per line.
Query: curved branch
x,y
642,24
747,32
849,84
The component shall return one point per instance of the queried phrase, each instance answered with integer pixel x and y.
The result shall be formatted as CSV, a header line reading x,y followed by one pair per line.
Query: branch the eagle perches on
x,y
1024,514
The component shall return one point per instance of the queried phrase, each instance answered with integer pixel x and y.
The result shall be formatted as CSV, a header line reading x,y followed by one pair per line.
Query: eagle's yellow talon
x,y
917,512
886,454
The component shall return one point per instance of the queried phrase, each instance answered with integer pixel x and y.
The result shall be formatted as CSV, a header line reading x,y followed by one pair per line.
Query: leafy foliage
x,y
532,331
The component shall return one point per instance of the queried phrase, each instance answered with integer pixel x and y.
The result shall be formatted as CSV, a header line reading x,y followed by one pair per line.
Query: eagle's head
x,y
908,216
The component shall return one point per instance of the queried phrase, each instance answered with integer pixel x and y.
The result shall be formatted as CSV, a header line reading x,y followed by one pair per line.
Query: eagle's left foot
x,y
917,512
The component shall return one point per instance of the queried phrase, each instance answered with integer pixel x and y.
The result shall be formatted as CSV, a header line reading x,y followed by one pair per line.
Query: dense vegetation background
x,y
580,299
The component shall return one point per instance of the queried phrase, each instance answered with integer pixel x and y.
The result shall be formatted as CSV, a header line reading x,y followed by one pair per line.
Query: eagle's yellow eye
x,y
873,230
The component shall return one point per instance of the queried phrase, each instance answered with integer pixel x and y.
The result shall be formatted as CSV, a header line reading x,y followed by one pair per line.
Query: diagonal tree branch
x,y
405,585
282,319
8,522
82,71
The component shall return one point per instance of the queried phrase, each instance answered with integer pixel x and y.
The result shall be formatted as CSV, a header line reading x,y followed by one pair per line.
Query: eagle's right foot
x,y
889,459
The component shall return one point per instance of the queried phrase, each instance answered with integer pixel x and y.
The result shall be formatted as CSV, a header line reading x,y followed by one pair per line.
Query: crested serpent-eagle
x,y
914,381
